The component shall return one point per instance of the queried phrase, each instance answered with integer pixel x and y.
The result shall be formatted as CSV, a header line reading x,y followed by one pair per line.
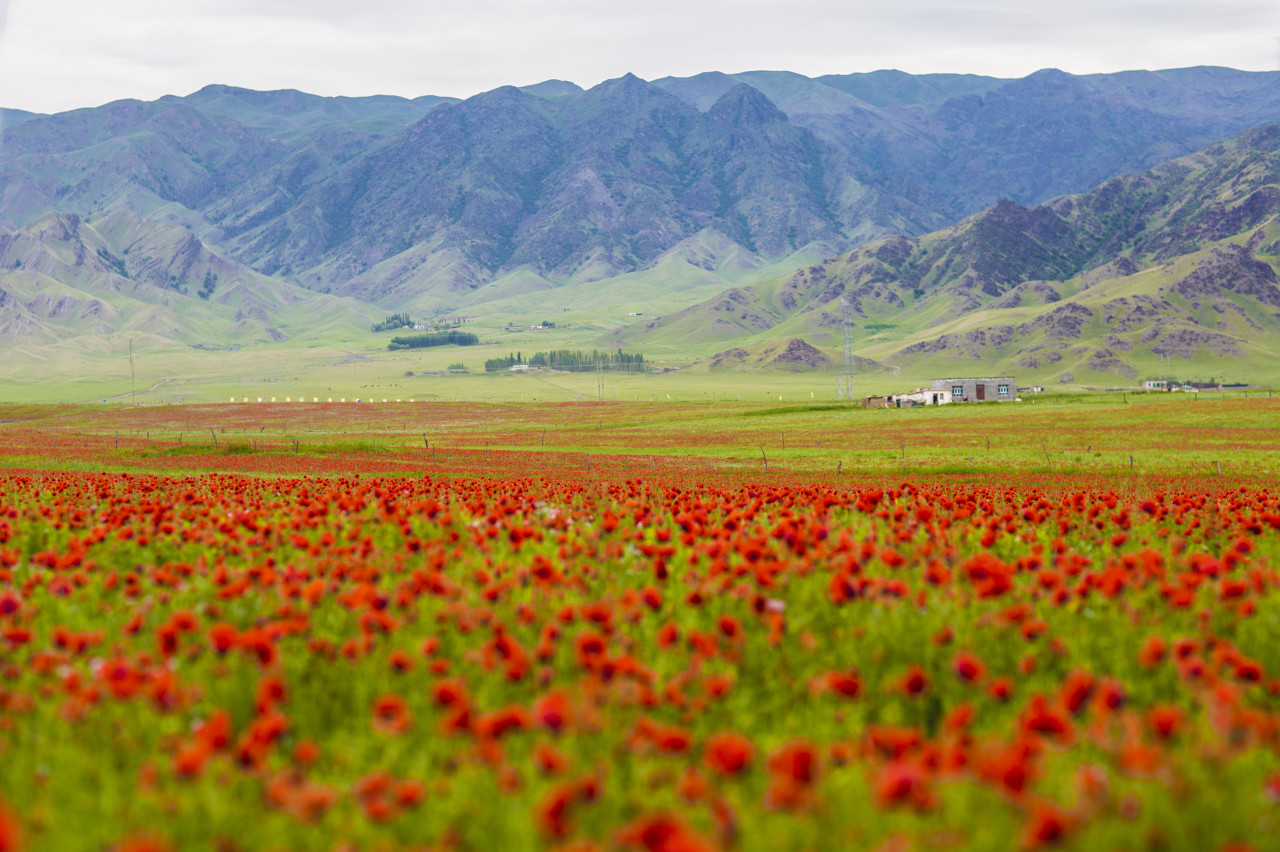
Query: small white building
x,y
919,396
922,396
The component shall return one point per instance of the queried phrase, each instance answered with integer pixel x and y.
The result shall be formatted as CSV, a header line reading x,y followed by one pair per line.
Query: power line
x,y
844,383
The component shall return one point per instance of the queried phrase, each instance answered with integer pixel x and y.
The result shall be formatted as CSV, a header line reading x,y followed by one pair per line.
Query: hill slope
x,y
1178,263
116,276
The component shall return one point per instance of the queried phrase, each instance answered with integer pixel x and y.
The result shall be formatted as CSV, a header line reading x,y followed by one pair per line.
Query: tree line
x,y
433,338
572,360
391,323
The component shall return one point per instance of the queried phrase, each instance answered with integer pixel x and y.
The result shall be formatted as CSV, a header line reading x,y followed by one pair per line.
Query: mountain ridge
x,y
296,184
1180,258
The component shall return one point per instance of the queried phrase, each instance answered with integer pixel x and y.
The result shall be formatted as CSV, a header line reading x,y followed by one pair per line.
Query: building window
x,y
1002,390
957,391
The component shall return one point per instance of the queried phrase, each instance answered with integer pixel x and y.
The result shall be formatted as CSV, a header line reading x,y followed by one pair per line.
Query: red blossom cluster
x,y
654,666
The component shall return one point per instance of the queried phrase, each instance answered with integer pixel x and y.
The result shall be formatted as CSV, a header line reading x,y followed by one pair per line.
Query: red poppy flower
x,y
306,752
497,723
794,768
1153,651
1042,717
692,786
1046,826
904,782
718,686
968,667
915,682
662,833
549,759
847,684
400,661
1166,720
10,830
190,759
727,753
729,627
391,715
553,711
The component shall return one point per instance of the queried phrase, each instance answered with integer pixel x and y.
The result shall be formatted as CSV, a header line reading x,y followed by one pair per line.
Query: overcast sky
x,y
62,54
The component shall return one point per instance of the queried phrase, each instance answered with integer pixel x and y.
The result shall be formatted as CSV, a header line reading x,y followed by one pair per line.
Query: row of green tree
x,y
572,360
391,323
433,338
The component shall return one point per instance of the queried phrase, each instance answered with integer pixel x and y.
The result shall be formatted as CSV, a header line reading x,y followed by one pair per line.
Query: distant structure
x,y
999,389
917,397
844,384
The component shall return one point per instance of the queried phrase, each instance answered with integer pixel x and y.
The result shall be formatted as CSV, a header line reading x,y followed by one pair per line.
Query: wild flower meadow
x,y
681,658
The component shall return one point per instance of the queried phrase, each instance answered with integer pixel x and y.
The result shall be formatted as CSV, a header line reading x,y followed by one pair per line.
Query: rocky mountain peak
x,y
745,105
628,92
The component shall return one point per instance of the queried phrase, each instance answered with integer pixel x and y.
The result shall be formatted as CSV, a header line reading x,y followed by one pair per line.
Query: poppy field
x,y
315,641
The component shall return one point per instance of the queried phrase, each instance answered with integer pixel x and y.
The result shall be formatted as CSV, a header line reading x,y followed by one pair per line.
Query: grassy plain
x,y
332,368
1234,435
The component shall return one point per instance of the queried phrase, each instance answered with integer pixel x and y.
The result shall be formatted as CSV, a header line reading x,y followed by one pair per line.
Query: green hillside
x,y
1173,271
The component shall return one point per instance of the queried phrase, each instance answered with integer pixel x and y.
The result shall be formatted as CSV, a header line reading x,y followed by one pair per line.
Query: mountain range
x,y
1175,262
937,202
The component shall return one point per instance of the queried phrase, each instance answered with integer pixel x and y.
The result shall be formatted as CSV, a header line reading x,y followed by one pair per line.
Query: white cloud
x,y
61,54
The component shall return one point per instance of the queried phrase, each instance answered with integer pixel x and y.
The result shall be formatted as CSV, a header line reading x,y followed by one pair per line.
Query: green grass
x,y
1113,436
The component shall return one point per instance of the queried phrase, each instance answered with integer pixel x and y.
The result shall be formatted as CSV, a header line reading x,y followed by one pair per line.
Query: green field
x,y
333,367
1057,435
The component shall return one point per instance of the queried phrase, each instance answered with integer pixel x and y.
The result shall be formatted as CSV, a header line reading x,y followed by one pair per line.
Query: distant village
x,y
1001,389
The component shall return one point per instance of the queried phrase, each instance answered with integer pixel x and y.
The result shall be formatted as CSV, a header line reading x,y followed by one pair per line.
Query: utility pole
x,y
844,384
